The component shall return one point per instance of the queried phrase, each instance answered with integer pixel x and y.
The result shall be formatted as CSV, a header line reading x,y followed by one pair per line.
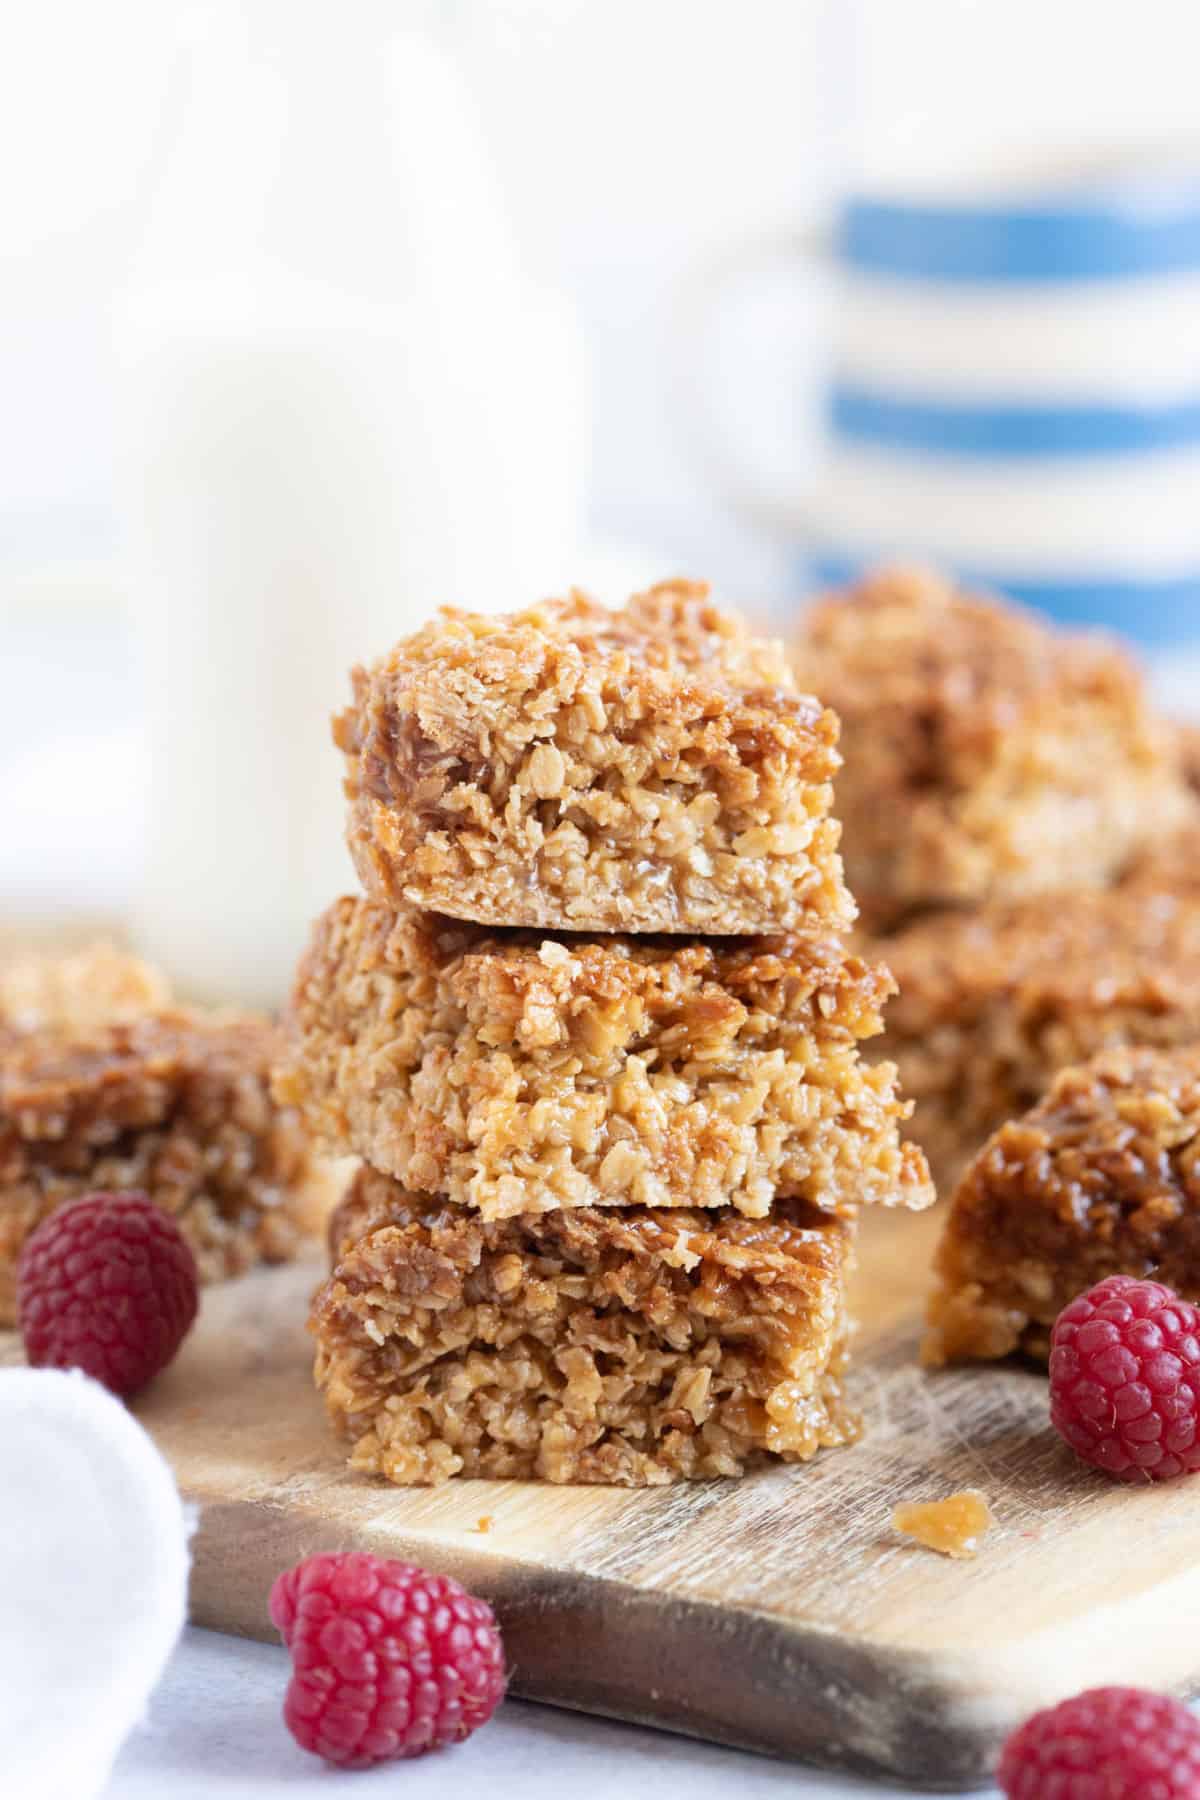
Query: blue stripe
x,y
1162,610
1136,234
860,415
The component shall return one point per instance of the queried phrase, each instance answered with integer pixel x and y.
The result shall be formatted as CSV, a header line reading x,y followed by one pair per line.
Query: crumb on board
x,y
484,1522
953,1526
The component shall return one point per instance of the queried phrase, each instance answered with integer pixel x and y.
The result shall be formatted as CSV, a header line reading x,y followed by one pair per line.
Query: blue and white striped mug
x,y
1014,394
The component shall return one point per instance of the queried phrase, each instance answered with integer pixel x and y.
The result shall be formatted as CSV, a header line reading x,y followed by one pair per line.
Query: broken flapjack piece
x,y
954,1526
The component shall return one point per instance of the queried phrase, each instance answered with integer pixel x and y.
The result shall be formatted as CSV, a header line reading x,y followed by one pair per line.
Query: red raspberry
x,y
107,1284
1125,1379
1115,1743
388,1660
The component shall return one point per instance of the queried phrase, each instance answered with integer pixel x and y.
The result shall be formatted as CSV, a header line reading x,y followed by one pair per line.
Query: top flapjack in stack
x,y
594,1031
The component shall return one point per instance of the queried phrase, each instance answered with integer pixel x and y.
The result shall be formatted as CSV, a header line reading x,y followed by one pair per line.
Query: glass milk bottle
x,y
342,406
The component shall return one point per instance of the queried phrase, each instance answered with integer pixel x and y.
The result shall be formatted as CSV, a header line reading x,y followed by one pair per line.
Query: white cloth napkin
x,y
93,1580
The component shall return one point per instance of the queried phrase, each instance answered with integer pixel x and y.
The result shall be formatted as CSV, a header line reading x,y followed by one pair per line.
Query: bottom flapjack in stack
x,y
626,1345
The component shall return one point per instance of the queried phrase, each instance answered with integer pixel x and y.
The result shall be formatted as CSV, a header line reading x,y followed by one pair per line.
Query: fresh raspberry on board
x,y
387,1659
1110,1743
1125,1379
107,1284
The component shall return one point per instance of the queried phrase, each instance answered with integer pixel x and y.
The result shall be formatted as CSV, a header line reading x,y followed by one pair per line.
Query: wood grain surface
x,y
780,1613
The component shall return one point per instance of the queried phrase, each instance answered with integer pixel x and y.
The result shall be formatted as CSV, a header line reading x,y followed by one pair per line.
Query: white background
x,y
214,1733
634,138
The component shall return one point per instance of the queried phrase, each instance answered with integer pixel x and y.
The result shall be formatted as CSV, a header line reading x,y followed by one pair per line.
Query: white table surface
x,y
214,1731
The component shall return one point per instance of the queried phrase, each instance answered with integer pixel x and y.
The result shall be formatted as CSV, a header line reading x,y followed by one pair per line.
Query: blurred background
x,y
315,316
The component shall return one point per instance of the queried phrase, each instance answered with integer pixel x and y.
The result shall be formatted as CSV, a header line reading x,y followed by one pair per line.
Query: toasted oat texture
x,y
173,1103
1101,1178
517,1073
1168,865
1188,738
992,1004
635,1347
577,768
76,990
988,757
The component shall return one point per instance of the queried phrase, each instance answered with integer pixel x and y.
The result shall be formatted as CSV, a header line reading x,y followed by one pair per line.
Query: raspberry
x,y
1110,1743
106,1284
1125,1380
388,1660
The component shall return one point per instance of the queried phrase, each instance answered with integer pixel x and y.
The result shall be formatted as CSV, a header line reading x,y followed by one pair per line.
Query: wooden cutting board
x,y
780,1613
